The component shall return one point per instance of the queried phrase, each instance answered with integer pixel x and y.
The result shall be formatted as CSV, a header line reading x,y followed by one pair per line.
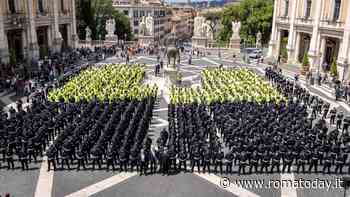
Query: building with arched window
x,y
29,29
318,28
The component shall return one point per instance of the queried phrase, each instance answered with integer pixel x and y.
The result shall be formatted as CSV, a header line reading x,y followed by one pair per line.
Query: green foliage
x,y
13,57
334,70
94,13
255,16
306,63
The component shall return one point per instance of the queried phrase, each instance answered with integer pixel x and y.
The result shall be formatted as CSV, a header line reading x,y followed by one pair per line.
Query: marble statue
x,y
198,26
110,27
87,33
209,33
258,40
143,27
236,26
150,25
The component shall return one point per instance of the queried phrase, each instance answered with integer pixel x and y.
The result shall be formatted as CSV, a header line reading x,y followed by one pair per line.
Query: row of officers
x,y
206,161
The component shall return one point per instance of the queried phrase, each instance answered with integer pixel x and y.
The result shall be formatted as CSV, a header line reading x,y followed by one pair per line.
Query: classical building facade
x,y
30,28
135,10
318,28
182,21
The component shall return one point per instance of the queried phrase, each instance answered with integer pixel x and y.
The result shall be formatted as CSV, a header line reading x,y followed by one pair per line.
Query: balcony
x,y
283,19
15,20
304,21
332,24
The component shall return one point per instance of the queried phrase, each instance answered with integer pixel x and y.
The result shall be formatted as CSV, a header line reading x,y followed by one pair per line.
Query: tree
x,y
334,70
95,13
214,19
254,15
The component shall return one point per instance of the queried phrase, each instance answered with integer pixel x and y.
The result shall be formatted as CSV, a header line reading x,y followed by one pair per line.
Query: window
x,y
40,6
62,6
136,31
308,9
286,8
136,23
336,14
126,12
12,6
136,13
142,13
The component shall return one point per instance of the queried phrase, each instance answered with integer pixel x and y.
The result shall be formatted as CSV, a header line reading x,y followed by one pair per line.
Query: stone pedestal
x,y
235,45
146,40
200,42
111,38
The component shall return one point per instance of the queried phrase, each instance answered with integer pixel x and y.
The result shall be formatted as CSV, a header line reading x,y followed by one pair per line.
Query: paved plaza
x,y
40,183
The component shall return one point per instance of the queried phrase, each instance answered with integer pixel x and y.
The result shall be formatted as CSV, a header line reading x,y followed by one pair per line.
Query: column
x,y
322,51
297,48
75,38
57,39
4,51
292,33
344,52
273,40
315,39
33,48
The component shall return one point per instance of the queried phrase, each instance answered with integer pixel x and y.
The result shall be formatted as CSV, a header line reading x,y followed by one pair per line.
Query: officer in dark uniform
x,y
254,162
183,160
31,151
219,156
327,164
172,158
333,114
110,160
340,116
265,162
51,157
339,162
81,160
229,162
9,159
196,160
275,162
23,157
314,161
287,161
243,162
206,161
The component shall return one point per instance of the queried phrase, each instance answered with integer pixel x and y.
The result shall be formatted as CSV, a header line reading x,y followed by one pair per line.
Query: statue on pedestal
x,y
258,40
143,27
236,27
88,34
110,27
150,25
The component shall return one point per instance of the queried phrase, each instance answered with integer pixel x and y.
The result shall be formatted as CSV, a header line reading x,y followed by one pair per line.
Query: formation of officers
x,y
257,138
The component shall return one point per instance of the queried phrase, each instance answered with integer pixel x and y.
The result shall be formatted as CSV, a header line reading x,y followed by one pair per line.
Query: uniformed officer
x,y
333,114
183,160
314,161
287,161
340,116
207,157
339,162
327,164
219,156
81,160
196,160
23,157
229,162
243,162
9,159
265,162
275,162
254,162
